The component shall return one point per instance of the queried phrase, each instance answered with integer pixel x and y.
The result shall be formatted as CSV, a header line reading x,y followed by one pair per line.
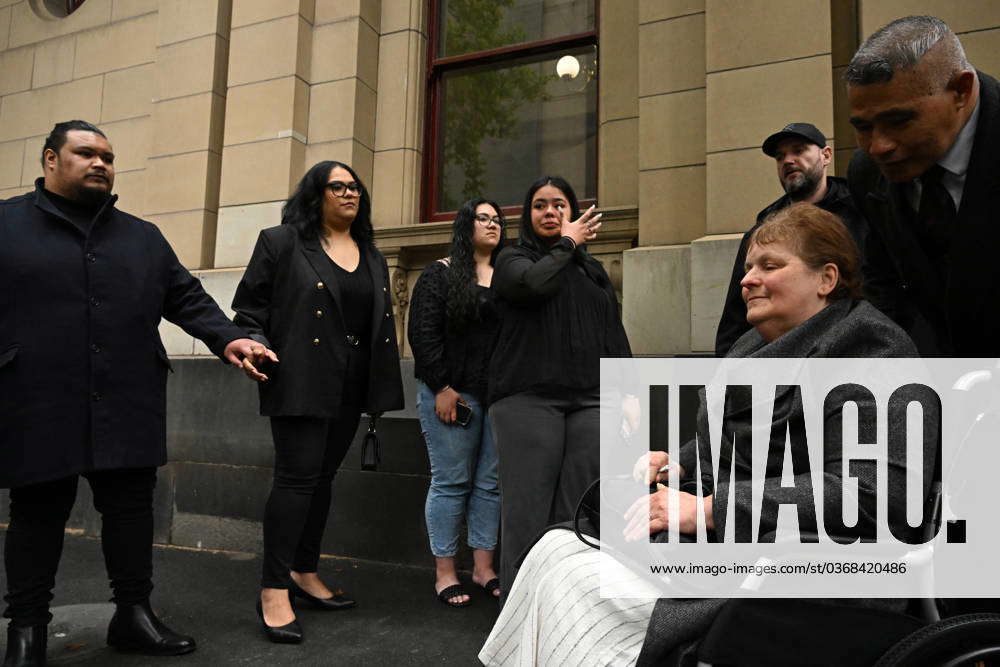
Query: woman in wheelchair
x,y
802,288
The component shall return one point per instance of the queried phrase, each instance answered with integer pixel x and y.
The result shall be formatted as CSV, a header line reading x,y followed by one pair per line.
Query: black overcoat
x,y
289,300
947,310
82,367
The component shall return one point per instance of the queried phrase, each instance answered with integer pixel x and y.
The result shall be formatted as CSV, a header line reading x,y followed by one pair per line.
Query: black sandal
x,y
492,586
453,591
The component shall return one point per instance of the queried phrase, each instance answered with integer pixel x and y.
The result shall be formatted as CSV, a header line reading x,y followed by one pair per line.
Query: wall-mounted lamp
x,y
568,67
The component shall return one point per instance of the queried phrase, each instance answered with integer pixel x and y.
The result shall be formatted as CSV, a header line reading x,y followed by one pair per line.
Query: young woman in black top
x,y
453,328
316,291
559,316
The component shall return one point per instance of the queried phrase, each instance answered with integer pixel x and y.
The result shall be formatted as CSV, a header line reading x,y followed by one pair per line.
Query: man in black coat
x,y
83,383
802,158
927,176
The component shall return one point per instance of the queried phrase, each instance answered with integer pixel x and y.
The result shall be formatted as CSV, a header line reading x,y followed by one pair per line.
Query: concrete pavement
x,y
210,595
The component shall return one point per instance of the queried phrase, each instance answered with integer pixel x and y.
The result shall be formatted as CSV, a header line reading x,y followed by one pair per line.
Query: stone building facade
x,y
216,108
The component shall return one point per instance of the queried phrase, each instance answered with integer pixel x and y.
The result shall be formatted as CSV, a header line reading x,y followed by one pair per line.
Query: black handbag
x,y
371,448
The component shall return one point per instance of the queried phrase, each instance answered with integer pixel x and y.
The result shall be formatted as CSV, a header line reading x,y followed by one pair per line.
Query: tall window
x,y
513,96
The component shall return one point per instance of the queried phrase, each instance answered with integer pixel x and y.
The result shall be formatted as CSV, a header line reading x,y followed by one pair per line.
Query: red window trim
x,y
436,66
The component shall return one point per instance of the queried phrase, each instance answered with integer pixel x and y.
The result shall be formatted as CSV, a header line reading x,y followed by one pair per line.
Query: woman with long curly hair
x,y
316,291
452,331
559,316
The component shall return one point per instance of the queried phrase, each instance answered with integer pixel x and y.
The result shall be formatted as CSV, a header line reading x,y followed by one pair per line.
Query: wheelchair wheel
x,y
960,641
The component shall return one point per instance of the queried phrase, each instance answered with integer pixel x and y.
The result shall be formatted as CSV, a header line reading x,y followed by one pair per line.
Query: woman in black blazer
x,y
316,291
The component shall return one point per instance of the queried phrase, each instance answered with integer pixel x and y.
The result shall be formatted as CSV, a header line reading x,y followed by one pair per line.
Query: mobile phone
x,y
463,414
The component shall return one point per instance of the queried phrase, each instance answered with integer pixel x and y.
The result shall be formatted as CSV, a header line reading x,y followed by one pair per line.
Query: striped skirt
x,y
555,614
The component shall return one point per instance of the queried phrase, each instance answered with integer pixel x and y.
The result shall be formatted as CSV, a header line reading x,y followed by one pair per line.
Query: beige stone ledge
x,y
237,230
672,129
116,46
181,20
261,172
26,27
131,140
126,9
983,50
54,61
128,93
753,32
400,91
342,110
619,71
329,11
183,67
265,110
11,159
4,27
31,167
356,52
671,205
960,16
190,233
221,286
16,70
7,193
672,55
617,174
740,183
656,304
247,12
403,15
810,100
270,50
34,112
659,10
188,125
712,260
130,186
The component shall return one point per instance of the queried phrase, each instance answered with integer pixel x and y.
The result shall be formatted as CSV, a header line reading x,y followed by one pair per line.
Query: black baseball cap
x,y
797,131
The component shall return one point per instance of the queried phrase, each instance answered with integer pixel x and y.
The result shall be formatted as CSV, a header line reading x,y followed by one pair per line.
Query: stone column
x,y
182,189
671,152
266,120
399,137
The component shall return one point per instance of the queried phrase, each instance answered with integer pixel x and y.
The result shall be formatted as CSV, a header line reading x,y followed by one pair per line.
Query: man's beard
x,y
89,195
803,187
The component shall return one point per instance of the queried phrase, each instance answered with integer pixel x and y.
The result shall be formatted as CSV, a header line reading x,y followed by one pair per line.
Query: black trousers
x,y
307,453
549,449
38,514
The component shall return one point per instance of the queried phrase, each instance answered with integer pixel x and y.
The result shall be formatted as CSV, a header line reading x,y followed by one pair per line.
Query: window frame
x,y
438,66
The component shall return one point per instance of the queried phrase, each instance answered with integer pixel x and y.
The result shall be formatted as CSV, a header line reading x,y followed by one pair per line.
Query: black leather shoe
x,y
335,603
136,629
290,633
26,646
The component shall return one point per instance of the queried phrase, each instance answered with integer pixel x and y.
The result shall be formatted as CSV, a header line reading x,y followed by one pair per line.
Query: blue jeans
x,y
463,477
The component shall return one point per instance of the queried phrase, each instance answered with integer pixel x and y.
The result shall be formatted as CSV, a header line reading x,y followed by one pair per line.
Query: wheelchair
x,y
933,632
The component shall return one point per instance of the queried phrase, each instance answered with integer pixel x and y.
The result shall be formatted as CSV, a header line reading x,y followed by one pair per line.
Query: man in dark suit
x,y
83,384
927,177
802,157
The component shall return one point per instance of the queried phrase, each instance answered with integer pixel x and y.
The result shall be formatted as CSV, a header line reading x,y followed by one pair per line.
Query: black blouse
x,y
559,316
444,357
356,292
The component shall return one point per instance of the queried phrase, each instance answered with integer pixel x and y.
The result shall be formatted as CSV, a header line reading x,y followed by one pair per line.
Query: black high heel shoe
x,y
335,603
290,633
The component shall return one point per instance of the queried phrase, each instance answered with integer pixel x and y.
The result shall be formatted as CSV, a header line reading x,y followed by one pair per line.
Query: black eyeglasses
x,y
485,220
340,189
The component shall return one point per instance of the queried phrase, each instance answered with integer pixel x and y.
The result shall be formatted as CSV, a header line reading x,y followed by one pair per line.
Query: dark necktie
x,y
936,215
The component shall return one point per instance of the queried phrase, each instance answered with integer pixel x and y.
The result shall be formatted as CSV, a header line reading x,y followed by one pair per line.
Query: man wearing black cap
x,y
802,157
